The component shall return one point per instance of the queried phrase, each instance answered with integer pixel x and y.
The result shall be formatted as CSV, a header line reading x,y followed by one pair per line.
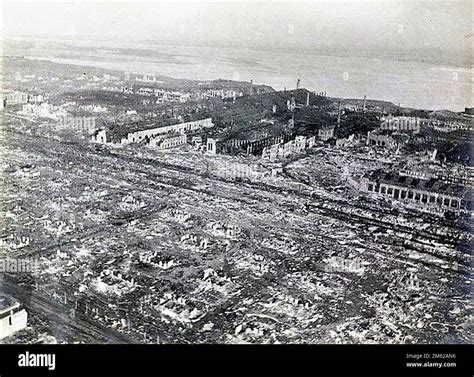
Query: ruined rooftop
x,y
7,302
432,184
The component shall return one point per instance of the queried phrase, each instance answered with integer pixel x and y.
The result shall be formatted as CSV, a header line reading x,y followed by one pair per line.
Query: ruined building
x,y
385,139
138,136
100,136
430,193
168,141
326,133
13,317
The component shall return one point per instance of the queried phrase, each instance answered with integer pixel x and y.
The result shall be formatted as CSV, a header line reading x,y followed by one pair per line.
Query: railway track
x,y
324,206
45,306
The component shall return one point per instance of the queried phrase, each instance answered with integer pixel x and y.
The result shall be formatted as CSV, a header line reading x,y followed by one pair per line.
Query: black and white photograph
x,y
229,173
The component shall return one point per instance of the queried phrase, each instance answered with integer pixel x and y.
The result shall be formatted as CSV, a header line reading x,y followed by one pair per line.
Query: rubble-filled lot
x,y
140,245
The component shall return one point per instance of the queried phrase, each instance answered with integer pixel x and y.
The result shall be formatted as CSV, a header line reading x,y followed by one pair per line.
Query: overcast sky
x,y
346,24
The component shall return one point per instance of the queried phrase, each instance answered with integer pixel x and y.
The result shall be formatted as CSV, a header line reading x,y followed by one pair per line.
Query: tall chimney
x,y
339,114
365,103
298,84
307,99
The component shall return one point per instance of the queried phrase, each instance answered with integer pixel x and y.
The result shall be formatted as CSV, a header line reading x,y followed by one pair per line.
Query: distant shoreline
x,y
441,78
